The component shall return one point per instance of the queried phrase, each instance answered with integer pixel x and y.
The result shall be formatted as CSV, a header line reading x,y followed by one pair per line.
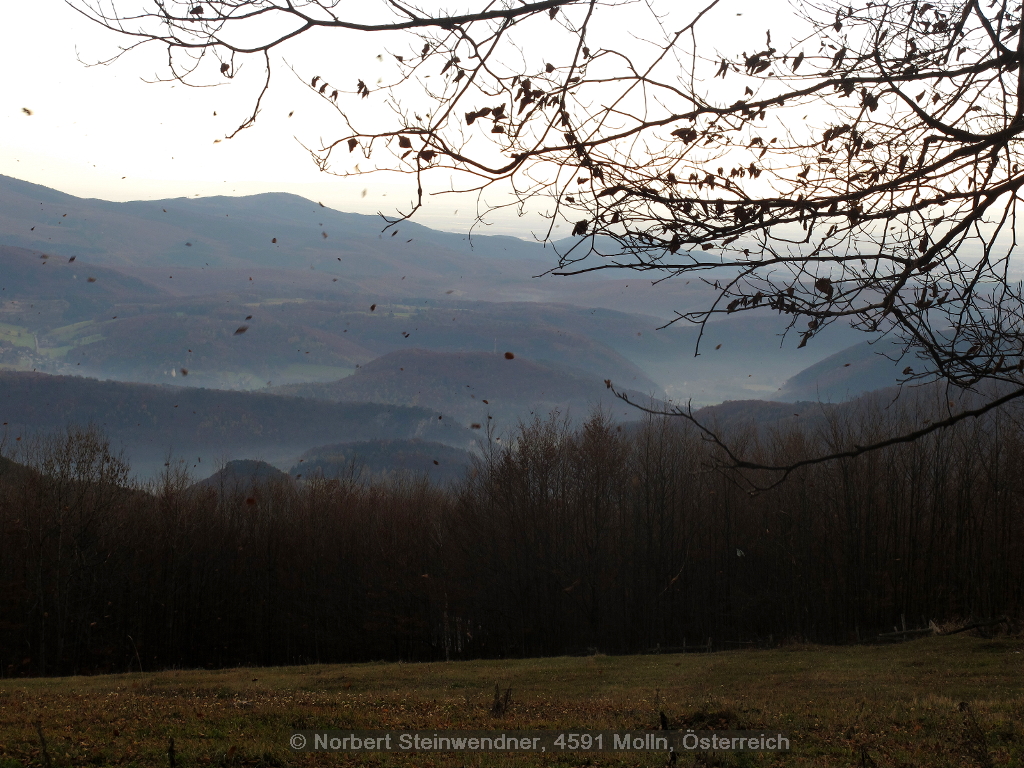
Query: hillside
x,y
174,280
848,373
241,476
217,243
237,231
385,459
472,387
905,699
72,318
203,426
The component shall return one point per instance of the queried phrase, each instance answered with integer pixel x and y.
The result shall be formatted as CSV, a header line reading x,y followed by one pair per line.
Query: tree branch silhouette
x,y
867,170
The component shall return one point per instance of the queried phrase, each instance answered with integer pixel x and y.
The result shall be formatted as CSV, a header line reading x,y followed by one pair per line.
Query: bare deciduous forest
x,y
607,538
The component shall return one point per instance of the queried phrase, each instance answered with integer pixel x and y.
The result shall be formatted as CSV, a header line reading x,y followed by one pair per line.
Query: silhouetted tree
x,y
862,165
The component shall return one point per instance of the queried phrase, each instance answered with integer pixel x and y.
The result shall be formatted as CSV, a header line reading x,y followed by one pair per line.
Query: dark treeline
x,y
560,541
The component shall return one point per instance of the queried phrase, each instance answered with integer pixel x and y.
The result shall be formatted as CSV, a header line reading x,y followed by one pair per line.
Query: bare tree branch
x,y
868,171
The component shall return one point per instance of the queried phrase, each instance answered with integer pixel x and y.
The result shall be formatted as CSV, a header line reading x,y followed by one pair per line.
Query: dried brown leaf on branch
x,y
828,226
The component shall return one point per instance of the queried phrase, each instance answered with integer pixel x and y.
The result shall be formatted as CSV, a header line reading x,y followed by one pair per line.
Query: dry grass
x,y
887,706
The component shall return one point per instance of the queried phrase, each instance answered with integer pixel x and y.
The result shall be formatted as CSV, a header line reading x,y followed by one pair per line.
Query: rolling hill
x,y
473,387
202,426
846,374
183,274
385,459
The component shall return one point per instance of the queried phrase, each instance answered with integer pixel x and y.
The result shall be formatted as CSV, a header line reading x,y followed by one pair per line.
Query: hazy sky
x,y
103,132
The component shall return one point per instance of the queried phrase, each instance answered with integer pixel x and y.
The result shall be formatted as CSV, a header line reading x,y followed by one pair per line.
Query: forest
x,y
603,538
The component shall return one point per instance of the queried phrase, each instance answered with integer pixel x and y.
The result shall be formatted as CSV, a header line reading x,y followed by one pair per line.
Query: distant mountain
x,y
242,476
901,408
67,317
735,416
202,426
385,459
207,263
473,387
45,276
218,243
846,374
240,232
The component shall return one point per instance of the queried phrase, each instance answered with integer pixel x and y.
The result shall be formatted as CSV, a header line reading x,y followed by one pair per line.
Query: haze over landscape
x,y
160,285
353,380
284,296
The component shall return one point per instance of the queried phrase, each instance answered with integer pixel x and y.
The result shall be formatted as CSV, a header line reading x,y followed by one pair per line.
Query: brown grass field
x,y
897,705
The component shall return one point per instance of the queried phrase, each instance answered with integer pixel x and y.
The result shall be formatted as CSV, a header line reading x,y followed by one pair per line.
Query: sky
x,y
101,131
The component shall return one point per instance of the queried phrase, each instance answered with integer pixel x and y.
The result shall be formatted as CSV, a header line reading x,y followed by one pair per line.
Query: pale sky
x,y
102,132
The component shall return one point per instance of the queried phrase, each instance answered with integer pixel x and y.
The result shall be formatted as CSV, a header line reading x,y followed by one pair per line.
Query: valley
x,y
277,294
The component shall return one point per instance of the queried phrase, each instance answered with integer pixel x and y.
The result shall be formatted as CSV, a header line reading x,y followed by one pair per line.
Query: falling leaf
x,y
718,346
509,356
450,291
72,259
189,244
92,280
373,307
184,371
324,235
248,317
27,111
241,329
474,426
274,240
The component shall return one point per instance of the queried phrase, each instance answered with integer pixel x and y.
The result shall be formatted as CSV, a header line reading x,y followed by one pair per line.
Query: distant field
x,y
16,335
893,705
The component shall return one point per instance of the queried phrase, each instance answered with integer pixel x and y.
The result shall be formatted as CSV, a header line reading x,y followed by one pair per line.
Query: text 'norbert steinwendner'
x,y
539,741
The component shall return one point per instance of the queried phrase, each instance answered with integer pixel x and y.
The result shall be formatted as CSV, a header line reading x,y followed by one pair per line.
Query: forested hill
x,y
474,386
152,421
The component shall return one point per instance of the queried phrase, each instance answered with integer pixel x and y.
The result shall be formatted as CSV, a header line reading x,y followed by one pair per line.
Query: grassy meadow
x,y
896,705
